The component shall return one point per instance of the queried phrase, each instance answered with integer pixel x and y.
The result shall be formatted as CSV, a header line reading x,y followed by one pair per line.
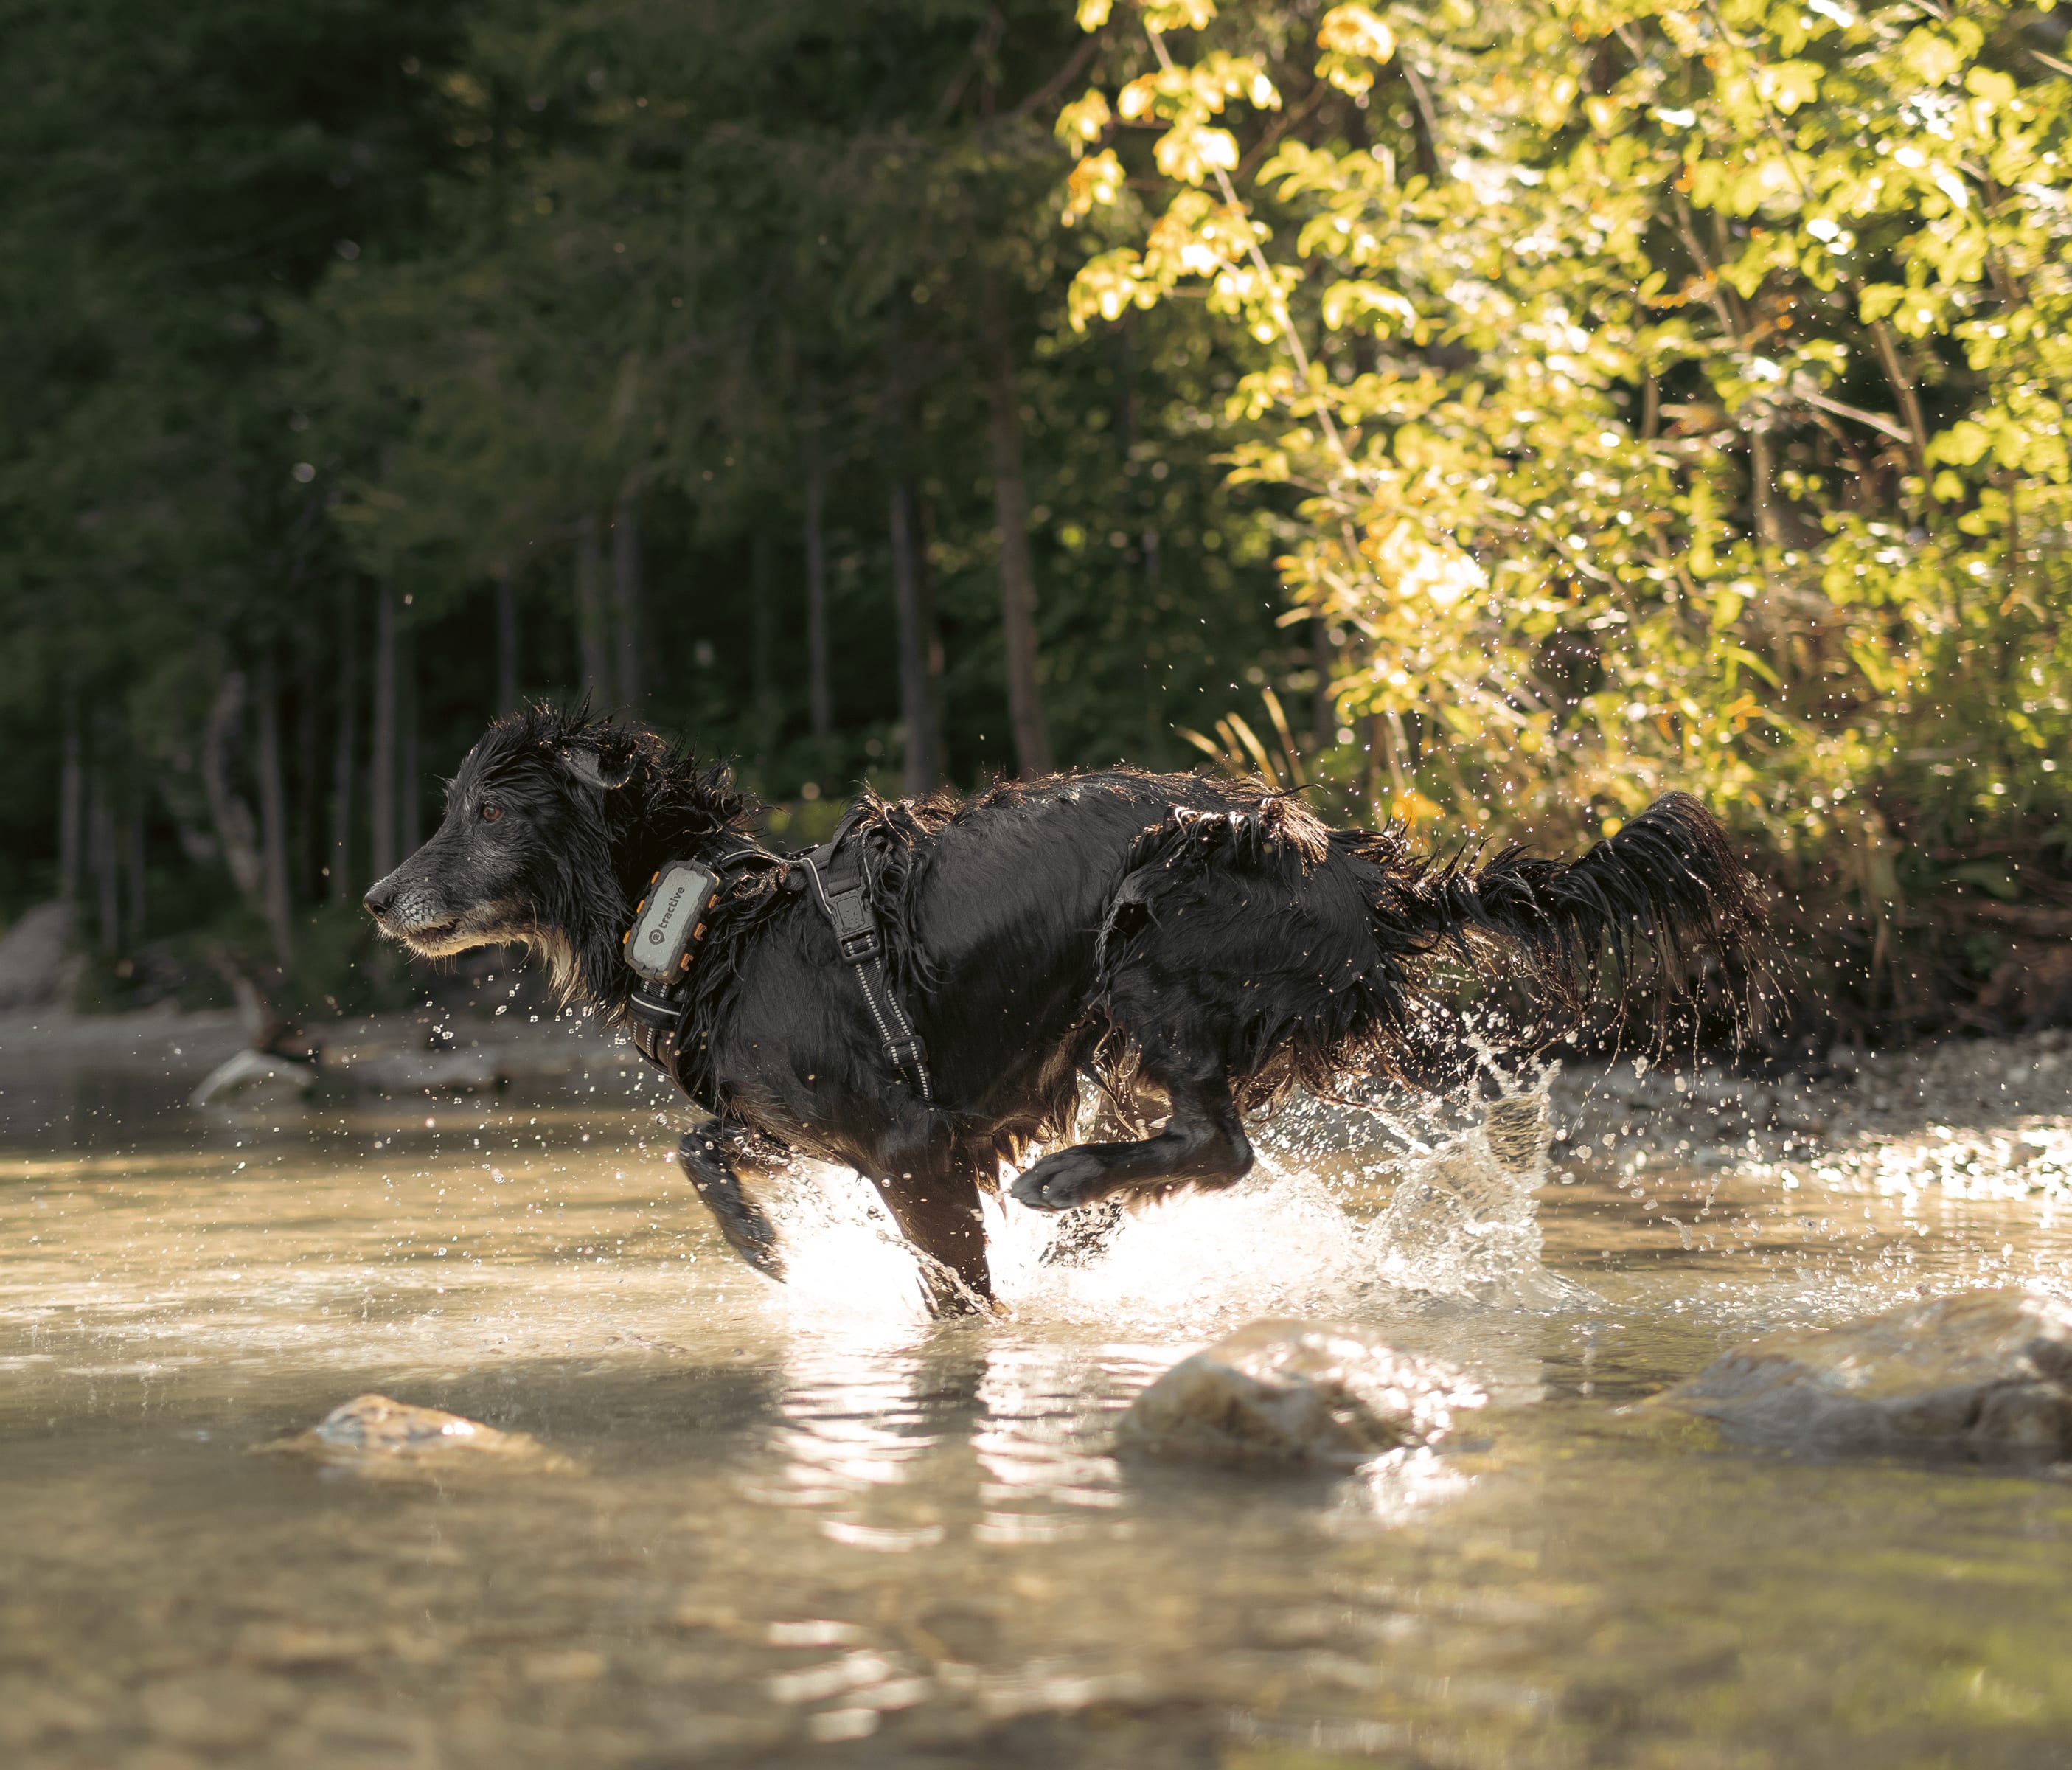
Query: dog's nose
x,y
380,895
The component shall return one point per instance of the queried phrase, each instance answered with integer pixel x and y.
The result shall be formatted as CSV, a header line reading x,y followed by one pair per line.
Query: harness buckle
x,y
856,929
910,1053
655,1009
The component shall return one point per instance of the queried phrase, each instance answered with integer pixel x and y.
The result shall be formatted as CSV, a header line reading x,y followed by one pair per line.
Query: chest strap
x,y
838,887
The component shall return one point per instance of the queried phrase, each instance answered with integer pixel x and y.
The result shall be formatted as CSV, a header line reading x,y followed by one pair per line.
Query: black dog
x,y
1174,935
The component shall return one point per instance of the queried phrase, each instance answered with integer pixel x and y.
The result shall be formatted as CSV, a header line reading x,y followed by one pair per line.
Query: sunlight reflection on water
x,y
810,1515
1288,1239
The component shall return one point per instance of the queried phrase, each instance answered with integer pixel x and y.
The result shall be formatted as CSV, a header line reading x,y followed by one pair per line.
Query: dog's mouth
x,y
453,934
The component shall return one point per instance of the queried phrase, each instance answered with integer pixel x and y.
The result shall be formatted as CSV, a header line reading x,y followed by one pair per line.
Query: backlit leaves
x,y
1608,443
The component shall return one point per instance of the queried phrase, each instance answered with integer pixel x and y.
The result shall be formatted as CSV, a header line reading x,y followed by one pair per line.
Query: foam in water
x,y
1461,1222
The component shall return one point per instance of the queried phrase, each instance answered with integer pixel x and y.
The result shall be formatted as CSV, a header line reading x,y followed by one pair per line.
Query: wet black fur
x,y
1198,940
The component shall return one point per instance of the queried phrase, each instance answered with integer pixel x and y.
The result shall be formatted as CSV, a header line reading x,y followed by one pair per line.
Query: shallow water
x,y
808,1526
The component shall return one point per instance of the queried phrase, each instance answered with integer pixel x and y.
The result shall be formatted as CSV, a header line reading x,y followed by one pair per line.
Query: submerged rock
x,y
373,1436
1983,1370
1296,1391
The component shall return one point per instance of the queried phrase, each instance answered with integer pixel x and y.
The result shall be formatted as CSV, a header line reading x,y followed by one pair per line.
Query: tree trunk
x,y
816,592
765,713
71,787
235,830
343,887
102,861
626,599
381,774
593,619
1018,573
1763,488
924,759
139,907
307,857
273,821
1324,720
506,643
409,793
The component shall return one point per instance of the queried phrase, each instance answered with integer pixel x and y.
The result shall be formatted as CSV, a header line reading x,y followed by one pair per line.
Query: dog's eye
x,y
491,813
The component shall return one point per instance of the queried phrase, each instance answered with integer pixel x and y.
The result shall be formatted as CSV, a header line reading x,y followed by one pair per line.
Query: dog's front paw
x,y
1063,1182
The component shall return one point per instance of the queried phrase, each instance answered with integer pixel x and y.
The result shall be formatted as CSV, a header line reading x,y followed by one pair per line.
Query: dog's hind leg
x,y
707,1153
1203,1142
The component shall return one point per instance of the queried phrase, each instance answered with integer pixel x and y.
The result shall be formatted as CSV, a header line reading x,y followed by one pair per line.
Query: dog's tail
x,y
1662,899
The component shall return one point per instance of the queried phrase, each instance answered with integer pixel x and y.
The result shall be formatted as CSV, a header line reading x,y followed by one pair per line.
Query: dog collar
x,y
669,923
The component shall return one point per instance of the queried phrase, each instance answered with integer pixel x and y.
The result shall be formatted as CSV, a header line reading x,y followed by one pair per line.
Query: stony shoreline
x,y
2012,1092
2002,1104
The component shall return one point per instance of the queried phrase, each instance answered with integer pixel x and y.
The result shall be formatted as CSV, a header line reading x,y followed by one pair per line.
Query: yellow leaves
x,y
1354,42
1551,96
1417,568
1219,76
1604,113
1354,31
1178,14
1191,94
1136,100
1352,303
1786,85
1993,89
1197,236
1930,57
1412,807
1962,444
1083,120
1189,152
1097,180
1108,286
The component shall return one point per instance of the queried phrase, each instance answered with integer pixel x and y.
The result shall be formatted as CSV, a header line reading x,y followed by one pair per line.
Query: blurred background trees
x,y
1487,416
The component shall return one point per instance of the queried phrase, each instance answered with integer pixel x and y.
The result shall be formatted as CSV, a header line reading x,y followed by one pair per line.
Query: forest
x,y
1485,416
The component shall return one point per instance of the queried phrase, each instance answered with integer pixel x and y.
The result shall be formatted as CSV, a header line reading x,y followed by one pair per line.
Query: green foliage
x,y
1675,394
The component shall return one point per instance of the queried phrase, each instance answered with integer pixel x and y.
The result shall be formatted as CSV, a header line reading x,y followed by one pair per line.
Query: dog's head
x,y
551,821
526,838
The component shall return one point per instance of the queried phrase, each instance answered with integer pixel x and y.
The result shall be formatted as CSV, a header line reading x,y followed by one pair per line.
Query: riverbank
x,y
1958,1106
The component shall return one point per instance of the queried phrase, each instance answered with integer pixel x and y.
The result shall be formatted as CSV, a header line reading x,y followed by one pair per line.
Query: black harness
x,y
673,918
838,884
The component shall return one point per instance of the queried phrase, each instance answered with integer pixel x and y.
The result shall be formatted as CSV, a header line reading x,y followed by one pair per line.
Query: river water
x,y
808,1526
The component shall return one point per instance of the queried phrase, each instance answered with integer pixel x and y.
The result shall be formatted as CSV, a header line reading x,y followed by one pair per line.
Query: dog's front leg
x,y
707,1152
930,1183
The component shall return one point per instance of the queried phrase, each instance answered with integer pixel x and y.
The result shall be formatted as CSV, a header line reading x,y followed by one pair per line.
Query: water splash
x,y
1347,1209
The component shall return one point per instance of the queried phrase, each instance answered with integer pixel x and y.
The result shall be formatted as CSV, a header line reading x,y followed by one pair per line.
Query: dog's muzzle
x,y
411,912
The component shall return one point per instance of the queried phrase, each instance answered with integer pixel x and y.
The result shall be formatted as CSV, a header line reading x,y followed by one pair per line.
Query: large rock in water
x,y
1296,1391
35,956
1986,1370
373,1436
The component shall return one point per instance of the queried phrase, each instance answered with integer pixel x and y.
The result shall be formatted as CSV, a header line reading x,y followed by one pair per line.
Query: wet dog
x,y
1199,943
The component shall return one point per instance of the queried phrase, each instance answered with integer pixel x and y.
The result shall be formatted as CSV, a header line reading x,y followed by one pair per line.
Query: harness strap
x,y
657,1044
838,887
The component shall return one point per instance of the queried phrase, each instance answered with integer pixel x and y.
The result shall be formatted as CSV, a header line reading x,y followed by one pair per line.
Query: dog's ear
x,y
601,771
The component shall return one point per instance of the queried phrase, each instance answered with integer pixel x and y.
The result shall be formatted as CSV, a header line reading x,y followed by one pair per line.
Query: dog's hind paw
x,y
1064,1182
